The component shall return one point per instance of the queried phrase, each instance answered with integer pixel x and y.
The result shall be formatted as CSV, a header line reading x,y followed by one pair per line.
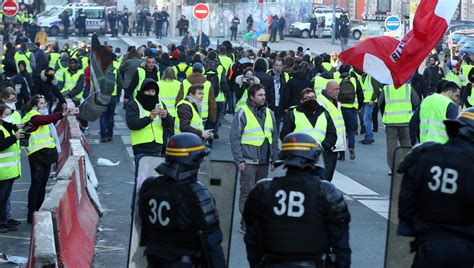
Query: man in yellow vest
x,y
148,69
225,60
311,118
208,106
24,55
189,113
329,101
254,142
427,122
107,117
397,106
147,119
371,88
182,70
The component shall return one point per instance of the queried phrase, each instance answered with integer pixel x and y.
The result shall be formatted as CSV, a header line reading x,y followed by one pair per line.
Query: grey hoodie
x,y
263,154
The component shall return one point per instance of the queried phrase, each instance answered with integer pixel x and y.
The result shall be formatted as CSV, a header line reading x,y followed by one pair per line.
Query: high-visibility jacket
x,y
116,90
470,98
169,90
354,105
337,77
303,125
336,116
70,81
242,101
327,66
320,84
432,114
196,121
20,56
220,70
368,88
183,67
225,61
85,62
205,98
16,118
153,132
39,139
450,76
398,107
253,132
141,78
53,59
285,74
10,164
60,72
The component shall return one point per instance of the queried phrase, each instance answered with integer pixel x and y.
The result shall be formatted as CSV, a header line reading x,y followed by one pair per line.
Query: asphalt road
x,y
364,181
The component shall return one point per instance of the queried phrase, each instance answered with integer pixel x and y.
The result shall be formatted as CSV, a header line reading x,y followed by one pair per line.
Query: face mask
x,y
310,105
43,111
11,105
8,119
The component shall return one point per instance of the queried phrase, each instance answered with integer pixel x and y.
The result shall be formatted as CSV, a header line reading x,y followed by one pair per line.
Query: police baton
x,y
205,253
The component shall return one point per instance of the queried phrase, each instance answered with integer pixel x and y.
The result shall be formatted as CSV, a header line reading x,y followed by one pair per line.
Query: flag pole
x,y
451,48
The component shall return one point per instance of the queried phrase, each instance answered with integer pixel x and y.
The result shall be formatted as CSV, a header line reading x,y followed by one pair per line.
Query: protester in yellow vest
x,y
107,117
149,122
328,100
244,81
24,55
189,113
72,84
41,149
427,121
254,142
397,106
371,88
148,69
10,165
169,89
311,118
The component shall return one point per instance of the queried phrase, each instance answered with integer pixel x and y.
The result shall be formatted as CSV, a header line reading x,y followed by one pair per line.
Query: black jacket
x,y
331,134
47,87
185,115
292,90
133,84
267,81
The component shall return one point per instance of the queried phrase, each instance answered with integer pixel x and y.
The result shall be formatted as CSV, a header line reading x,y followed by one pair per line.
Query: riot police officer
x,y
436,201
81,23
180,225
296,220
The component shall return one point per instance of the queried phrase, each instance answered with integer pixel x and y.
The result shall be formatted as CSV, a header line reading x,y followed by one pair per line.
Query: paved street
x,y
364,182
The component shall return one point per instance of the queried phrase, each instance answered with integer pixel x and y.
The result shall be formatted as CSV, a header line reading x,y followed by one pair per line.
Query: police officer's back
x,y
295,220
179,217
436,202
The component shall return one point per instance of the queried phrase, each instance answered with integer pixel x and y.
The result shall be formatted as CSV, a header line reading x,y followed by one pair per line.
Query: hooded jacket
x,y
290,95
197,78
47,87
134,122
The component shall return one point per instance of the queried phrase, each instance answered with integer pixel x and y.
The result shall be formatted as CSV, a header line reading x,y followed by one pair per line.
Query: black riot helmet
x,y
184,153
300,150
463,125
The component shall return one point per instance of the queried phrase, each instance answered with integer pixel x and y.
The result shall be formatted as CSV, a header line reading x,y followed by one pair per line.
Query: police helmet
x,y
463,125
187,149
300,150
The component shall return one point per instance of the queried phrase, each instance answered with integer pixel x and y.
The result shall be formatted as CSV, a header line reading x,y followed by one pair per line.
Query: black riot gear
x,y
463,125
300,150
184,153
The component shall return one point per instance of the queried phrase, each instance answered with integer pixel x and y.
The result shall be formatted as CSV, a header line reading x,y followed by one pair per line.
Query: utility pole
x,y
333,34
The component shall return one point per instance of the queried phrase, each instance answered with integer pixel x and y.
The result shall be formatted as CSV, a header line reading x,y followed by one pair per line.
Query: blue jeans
x,y
368,109
107,121
6,187
350,121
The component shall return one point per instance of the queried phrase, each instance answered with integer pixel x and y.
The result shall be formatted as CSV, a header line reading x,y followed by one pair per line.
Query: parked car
x,y
358,30
463,40
468,48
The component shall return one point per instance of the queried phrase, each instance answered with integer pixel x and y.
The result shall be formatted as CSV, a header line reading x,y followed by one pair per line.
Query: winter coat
x,y
292,90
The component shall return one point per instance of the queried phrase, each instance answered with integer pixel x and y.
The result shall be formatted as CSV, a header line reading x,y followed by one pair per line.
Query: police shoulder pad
x,y
412,156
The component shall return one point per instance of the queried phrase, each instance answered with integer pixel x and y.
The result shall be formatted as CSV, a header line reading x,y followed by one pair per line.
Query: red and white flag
x,y
391,61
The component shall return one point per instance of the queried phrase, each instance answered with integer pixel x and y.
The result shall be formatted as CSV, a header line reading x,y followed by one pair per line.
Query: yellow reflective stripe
x,y
432,122
299,144
467,115
40,136
40,145
296,148
398,112
192,149
9,164
433,132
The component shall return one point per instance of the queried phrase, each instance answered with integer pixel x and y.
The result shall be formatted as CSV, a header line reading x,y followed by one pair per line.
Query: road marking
x,y
126,140
100,249
130,151
19,202
15,237
20,190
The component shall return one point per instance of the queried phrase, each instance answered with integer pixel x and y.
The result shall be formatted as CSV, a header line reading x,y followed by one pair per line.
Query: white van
x,y
301,29
96,18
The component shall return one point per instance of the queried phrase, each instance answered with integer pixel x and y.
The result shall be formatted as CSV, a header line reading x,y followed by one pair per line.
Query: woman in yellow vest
x,y
169,89
41,148
149,121
10,166
244,81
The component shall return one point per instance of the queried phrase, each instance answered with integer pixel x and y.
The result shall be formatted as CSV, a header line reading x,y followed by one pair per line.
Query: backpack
x,y
181,76
212,75
347,92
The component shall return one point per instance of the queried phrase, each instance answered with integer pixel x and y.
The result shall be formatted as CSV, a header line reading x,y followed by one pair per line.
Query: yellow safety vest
x,y
398,108
367,87
243,101
16,118
354,105
169,90
225,61
253,133
60,72
53,59
141,78
10,164
320,84
338,120
432,114
205,98
470,98
196,121
39,139
182,67
70,81
302,124
85,62
327,66
450,76
153,132
285,74
115,92
20,56
220,97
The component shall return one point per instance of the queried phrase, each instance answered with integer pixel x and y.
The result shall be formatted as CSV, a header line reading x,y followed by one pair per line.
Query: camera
x,y
26,134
